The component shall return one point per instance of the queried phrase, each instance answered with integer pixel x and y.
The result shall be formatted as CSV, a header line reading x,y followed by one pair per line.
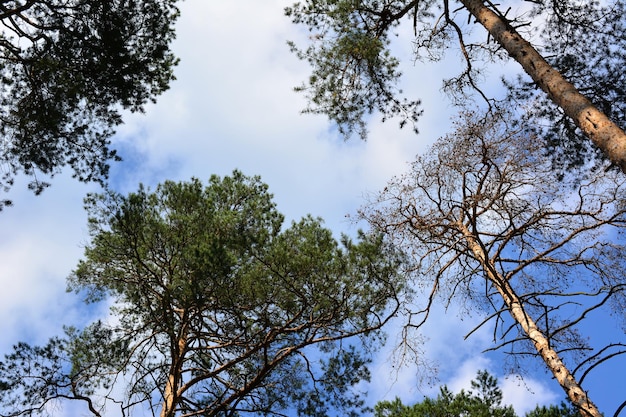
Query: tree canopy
x,y
67,70
217,310
571,51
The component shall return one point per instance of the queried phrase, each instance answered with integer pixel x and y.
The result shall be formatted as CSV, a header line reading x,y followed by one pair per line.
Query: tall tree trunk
x,y
179,349
169,396
542,344
605,134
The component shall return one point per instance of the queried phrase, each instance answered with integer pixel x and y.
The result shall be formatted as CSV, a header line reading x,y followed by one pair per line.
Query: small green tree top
x,y
483,400
561,410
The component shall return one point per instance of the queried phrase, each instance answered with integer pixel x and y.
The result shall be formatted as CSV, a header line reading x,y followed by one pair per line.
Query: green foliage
x,y
353,72
34,378
67,69
483,400
218,307
26,361
562,410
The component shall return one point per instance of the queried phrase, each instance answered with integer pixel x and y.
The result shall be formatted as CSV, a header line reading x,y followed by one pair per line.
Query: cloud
x,y
233,106
524,394
441,354
42,238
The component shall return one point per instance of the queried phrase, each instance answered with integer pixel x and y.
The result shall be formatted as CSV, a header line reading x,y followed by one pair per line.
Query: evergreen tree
x,y
67,69
217,310
483,400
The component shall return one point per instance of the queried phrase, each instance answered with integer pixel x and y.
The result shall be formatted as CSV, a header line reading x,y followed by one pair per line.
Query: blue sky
x,y
233,107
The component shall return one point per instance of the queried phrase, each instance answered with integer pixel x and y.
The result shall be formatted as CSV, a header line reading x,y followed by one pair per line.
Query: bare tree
x,y
487,222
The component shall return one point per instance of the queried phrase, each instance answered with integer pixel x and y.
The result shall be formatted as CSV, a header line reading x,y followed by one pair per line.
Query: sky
x,y
233,107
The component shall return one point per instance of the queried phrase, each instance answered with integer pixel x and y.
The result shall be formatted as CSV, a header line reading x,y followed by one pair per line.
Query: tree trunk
x,y
169,396
179,349
542,344
605,134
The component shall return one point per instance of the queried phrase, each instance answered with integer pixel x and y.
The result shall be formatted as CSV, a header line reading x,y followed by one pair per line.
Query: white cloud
x,y
42,238
524,394
233,106
466,372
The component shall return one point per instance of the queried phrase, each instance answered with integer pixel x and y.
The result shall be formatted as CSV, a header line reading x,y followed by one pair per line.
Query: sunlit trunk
x,y
169,397
552,359
170,393
605,134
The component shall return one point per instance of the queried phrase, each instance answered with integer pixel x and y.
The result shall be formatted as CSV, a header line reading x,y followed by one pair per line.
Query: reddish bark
x,y
604,133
